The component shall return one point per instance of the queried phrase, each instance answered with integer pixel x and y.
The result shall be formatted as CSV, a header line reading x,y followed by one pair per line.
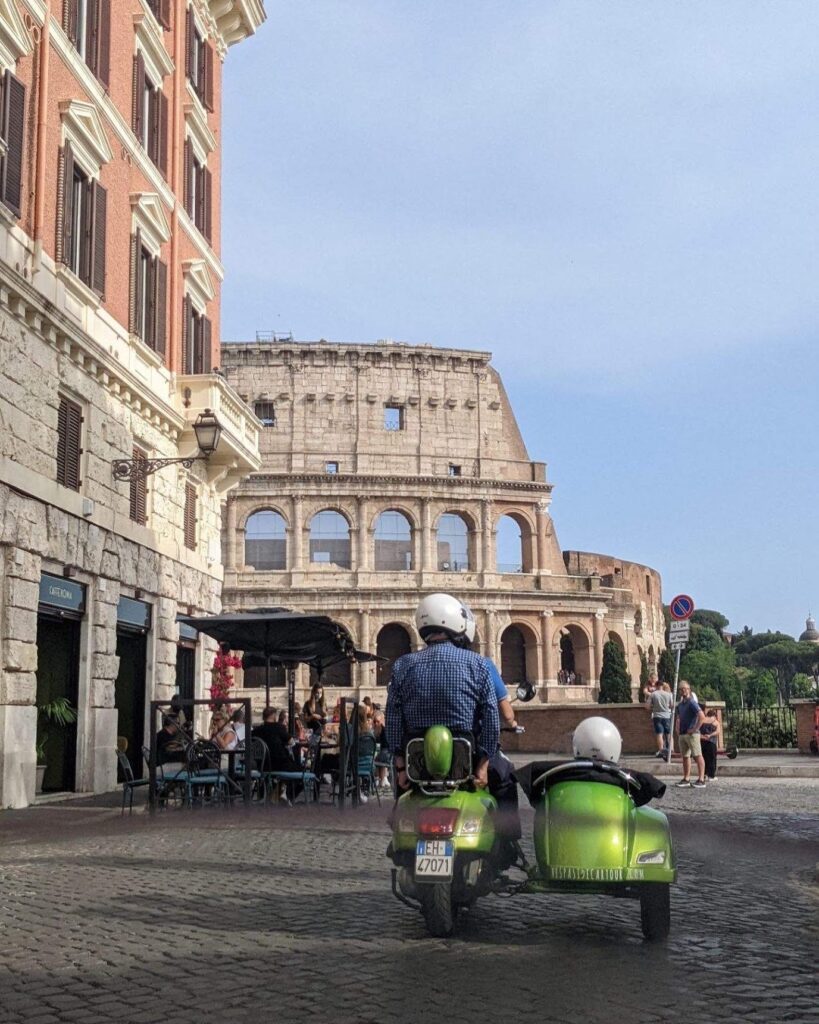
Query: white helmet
x,y
443,613
597,739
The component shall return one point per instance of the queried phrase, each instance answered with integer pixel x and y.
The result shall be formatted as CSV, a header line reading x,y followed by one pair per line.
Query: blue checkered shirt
x,y
442,685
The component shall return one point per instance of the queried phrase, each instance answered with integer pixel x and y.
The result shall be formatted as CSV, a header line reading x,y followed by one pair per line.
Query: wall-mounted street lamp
x,y
208,430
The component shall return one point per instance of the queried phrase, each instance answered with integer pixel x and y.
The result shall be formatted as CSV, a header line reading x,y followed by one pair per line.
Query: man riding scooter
x,y
448,684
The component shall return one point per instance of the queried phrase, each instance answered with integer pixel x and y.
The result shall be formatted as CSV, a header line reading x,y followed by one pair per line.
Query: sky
x,y
619,200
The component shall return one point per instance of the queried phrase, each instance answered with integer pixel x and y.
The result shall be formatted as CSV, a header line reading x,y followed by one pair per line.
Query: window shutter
x,y
103,68
162,161
139,492
207,204
164,13
136,282
206,341
190,516
188,190
92,34
208,76
65,204
161,305
189,30
202,70
150,305
14,108
97,257
69,440
70,19
139,93
187,334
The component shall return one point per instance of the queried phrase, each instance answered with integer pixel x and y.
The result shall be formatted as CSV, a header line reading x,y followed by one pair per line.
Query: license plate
x,y
434,859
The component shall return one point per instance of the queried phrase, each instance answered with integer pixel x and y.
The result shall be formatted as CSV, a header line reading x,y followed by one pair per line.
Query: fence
x,y
760,727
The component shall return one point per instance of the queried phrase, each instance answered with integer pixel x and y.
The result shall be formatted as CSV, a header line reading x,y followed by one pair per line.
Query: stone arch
x,y
574,655
316,507
393,541
265,543
514,543
330,538
251,510
616,638
392,642
455,545
410,514
518,654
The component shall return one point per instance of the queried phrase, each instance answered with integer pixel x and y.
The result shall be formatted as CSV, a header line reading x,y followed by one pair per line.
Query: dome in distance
x,y
811,634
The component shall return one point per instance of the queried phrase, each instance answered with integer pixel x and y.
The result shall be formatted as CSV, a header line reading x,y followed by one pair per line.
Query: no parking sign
x,y
681,607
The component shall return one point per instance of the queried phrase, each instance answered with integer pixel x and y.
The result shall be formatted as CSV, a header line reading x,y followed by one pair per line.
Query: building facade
x,y
391,471
109,324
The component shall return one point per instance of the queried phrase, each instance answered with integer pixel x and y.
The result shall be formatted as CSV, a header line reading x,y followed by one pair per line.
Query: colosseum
x,y
392,470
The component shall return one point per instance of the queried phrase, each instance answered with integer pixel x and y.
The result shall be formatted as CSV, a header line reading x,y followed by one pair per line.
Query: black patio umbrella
x,y
279,636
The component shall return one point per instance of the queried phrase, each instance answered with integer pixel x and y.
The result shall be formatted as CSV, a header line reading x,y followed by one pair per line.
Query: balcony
x,y
238,451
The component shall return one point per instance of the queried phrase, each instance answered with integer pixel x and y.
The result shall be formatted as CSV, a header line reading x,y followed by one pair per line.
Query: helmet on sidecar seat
x,y
443,613
597,739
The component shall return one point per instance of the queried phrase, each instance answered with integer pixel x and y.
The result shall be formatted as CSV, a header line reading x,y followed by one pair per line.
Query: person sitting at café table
x,y
237,721
315,711
170,745
273,733
222,732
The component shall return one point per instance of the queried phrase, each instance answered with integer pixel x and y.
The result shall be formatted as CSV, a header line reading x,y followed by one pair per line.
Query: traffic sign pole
x,y
673,707
681,609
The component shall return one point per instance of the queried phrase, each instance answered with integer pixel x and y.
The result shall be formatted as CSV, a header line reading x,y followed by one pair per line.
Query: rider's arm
x,y
490,723
507,712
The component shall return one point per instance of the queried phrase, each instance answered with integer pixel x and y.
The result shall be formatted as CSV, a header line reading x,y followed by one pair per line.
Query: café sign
x,y
57,592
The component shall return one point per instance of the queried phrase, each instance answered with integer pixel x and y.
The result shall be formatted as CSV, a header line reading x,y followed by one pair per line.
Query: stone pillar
x,y
427,538
487,561
541,513
297,533
366,678
597,666
491,640
232,543
549,670
364,553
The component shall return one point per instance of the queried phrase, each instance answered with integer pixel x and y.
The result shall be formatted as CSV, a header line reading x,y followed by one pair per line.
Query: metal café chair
x,y
129,783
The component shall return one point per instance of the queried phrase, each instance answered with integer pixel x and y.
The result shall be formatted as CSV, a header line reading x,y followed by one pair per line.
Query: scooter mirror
x,y
525,692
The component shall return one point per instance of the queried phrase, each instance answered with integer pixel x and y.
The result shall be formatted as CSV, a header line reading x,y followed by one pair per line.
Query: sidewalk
x,y
786,764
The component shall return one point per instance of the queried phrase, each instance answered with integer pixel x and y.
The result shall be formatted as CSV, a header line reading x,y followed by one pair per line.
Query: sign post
x,y
681,609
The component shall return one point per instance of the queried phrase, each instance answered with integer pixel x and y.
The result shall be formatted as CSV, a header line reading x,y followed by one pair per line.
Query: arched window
x,y
393,642
575,657
513,656
453,543
265,541
393,543
509,546
330,539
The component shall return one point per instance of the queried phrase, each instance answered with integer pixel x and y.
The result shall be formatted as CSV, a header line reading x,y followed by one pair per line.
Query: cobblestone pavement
x,y
285,915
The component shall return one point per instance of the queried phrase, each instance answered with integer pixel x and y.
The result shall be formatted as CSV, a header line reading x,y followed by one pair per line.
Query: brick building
x,y
390,471
109,324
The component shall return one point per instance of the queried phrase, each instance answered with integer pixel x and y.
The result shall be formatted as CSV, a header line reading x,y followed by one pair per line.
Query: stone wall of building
x,y
457,452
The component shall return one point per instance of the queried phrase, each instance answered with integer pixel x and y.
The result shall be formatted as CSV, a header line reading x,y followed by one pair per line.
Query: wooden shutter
x,y
206,342
162,161
65,204
190,516
187,335
207,204
207,91
137,104
187,197
13,115
163,9
69,441
92,34
189,31
103,68
150,304
70,19
139,492
97,254
136,282
161,306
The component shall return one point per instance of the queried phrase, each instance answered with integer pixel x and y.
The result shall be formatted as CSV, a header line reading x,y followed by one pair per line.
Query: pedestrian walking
x,y
689,721
708,740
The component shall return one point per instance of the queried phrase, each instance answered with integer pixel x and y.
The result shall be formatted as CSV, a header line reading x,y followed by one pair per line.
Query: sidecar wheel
x,y
439,909
655,910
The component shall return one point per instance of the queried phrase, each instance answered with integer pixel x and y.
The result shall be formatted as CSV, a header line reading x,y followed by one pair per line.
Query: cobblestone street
x,y
286,915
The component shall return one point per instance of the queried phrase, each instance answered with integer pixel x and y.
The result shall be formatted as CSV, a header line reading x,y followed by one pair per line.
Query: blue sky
x,y
618,199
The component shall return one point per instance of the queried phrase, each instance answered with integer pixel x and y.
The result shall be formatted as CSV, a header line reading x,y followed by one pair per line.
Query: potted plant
x,y
57,712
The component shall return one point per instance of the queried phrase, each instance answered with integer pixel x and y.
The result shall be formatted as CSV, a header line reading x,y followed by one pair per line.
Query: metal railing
x,y
768,728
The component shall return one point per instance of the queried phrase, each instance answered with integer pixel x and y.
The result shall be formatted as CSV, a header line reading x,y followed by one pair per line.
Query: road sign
x,y
679,630
677,645
682,607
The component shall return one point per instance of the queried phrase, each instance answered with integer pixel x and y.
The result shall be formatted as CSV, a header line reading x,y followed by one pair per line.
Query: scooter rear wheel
x,y
655,910
440,910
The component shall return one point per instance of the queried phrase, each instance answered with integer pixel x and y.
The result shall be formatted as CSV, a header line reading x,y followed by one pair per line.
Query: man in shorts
x,y
660,702
689,719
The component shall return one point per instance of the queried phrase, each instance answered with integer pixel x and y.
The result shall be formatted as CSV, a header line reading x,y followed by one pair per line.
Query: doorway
x,y
58,673
129,695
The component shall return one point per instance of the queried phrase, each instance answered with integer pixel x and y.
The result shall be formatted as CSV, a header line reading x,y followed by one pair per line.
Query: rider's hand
x,y
482,774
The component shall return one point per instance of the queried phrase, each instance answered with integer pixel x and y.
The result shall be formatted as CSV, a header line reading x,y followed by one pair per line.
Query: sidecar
x,y
594,834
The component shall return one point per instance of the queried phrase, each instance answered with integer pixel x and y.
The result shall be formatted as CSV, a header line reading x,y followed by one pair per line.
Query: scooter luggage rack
x,y
460,770
613,769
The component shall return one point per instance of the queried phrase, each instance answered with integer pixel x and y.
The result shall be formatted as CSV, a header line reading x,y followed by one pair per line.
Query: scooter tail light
x,y
437,821
654,857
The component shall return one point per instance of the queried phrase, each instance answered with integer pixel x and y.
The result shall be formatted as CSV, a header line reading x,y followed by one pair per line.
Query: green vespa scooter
x,y
592,834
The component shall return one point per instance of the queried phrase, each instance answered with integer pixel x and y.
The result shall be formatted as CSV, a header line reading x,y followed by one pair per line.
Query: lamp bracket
x,y
134,469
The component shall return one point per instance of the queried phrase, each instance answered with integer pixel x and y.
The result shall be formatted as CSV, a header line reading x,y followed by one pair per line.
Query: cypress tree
x,y
615,680
666,666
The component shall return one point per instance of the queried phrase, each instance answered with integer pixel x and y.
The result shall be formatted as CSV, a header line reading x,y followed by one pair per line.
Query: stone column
x,y
364,561
427,538
597,666
297,533
541,513
491,640
487,538
549,670
232,536
365,669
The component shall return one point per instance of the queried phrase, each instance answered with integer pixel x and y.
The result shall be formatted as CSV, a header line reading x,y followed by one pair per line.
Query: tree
x,y
712,674
643,675
666,666
615,680
803,685
704,638
746,647
706,617
757,687
785,659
